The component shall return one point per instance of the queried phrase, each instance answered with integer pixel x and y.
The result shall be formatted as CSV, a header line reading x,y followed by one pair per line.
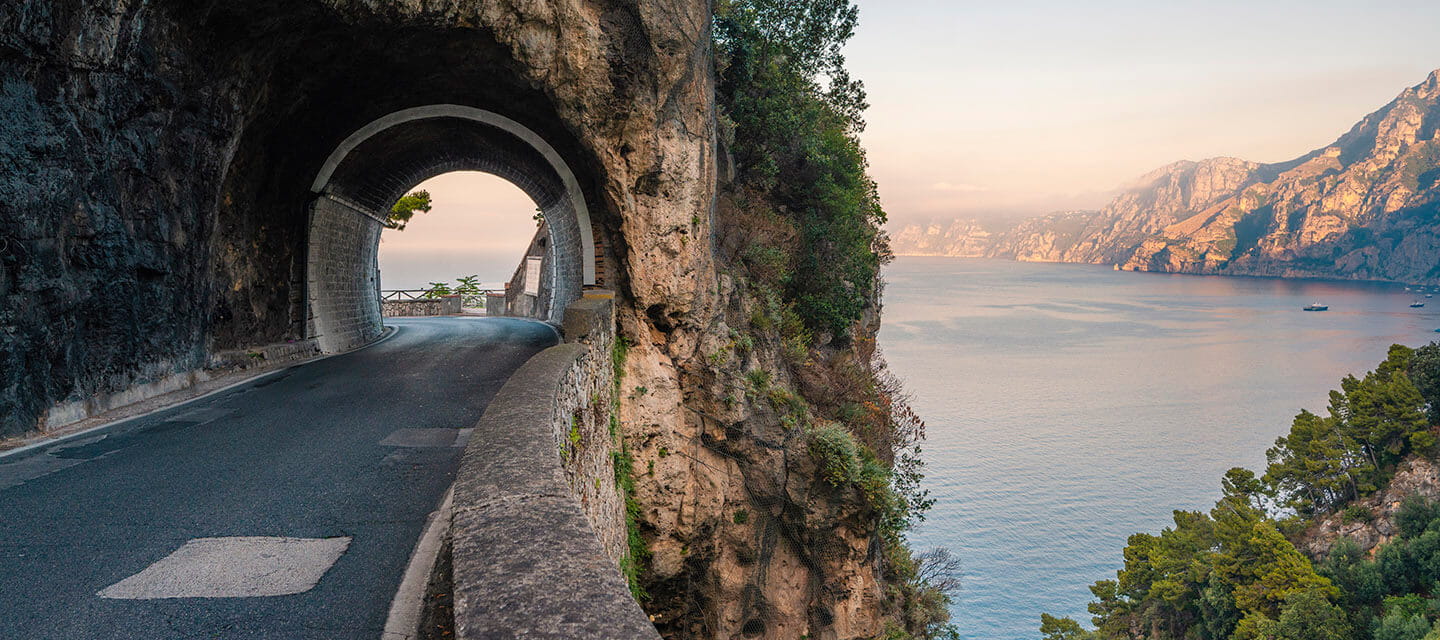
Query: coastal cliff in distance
x,y
1366,207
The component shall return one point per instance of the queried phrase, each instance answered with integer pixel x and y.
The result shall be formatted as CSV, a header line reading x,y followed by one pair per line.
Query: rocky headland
x,y
1365,207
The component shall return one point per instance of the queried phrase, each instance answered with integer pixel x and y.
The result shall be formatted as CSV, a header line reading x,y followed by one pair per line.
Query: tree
x,y
797,143
1053,628
1314,467
1359,580
405,208
437,289
939,569
1264,570
1383,411
468,285
1404,619
1372,424
1309,615
1424,371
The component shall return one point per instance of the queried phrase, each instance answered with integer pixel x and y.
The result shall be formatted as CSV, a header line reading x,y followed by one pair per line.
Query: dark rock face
x,y
106,174
155,157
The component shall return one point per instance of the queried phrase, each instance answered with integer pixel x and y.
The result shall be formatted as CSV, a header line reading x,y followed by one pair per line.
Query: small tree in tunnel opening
x,y
405,208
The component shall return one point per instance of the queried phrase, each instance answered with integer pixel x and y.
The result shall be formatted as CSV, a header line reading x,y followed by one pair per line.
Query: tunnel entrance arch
x,y
381,161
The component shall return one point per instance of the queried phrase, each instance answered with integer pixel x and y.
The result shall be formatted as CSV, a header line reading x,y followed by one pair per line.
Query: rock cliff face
x,y
155,159
1415,477
1366,207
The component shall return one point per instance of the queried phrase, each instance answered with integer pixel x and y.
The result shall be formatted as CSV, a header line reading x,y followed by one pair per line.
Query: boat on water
x,y
1416,304
1317,307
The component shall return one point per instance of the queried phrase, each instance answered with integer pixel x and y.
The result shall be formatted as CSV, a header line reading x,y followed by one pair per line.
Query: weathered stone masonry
x,y
537,532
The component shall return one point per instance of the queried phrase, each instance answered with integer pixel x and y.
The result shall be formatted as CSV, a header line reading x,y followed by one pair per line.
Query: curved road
x,y
286,507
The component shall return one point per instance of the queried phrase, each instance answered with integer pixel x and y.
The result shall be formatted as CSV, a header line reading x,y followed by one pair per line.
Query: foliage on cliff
x,y
1232,573
800,226
796,150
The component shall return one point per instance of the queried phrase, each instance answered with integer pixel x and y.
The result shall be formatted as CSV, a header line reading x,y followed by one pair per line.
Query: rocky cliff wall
x,y
155,161
1416,476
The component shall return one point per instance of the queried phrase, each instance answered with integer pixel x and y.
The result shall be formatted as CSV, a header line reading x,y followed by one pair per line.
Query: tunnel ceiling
x,y
383,167
315,79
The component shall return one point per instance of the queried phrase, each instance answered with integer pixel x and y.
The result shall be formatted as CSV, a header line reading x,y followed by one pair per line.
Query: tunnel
x,y
349,121
377,164
225,190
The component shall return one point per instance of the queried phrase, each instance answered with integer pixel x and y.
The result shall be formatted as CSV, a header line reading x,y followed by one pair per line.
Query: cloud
x,y
958,188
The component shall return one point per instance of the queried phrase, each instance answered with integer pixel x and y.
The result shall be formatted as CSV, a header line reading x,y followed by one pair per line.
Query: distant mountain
x,y
1365,207
1043,239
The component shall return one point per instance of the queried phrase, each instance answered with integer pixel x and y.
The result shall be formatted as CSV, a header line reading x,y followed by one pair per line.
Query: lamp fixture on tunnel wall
x,y
381,161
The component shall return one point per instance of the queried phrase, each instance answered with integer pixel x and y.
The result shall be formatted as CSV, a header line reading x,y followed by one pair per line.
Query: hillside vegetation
x,y
1236,572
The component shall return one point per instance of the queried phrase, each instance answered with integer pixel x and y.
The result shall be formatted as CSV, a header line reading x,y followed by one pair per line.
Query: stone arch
x,y
379,162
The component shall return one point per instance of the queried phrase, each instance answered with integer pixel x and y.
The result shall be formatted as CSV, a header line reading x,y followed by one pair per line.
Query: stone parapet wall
x,y
538,528
582,427
494,304
442,306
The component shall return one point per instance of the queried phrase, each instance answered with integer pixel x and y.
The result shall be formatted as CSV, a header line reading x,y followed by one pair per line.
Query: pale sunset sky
x,y
1028,106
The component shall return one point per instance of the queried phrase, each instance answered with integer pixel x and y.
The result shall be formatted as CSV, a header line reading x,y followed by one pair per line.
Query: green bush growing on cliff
x,y
796,142
837,454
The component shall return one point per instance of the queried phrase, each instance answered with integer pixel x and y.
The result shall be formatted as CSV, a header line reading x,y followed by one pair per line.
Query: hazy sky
x,y
1035,105
1028,106
480,225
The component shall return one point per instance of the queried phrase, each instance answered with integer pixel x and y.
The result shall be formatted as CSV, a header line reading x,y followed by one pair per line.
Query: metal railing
x,y
471,299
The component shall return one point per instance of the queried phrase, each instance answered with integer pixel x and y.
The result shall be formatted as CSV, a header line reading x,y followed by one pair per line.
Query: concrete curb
x,y
408,606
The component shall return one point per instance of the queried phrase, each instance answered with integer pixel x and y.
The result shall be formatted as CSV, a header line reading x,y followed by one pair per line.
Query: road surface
x,y
286,507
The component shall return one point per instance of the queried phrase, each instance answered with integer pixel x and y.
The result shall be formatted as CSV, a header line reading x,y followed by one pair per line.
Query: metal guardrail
x,y
469,299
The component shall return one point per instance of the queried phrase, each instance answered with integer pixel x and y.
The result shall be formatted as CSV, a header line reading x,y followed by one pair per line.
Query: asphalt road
x,y
286,507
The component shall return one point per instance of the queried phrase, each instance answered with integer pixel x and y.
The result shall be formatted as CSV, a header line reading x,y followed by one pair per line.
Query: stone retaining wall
x,y
538,528
442,306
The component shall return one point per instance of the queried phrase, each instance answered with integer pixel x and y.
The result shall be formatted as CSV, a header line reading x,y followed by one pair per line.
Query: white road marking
x,y
421,438
238,567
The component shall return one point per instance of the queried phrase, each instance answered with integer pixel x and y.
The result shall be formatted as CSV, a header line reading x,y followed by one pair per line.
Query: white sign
x,y
532,275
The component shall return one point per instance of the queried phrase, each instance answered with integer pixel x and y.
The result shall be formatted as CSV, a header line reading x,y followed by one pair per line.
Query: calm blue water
x,y
1069,406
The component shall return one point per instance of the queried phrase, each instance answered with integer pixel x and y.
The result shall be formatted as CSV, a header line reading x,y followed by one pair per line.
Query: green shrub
x,y
837,454
1356,513
638,553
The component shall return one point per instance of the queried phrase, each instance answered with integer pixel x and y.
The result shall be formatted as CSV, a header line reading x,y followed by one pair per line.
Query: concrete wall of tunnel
x,y
378,163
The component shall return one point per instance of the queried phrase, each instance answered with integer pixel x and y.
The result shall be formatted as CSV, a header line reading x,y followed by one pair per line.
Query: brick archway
x,y
378,163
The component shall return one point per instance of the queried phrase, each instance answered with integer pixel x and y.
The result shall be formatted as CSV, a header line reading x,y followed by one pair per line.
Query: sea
x,y
1070,406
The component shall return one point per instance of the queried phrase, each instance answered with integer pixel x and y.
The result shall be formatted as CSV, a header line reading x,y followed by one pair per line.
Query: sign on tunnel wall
x,y
532,275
